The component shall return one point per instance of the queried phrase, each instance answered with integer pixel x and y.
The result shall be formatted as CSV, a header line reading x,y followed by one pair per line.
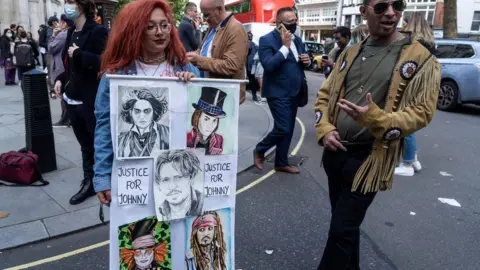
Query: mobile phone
x,y
324,57
281,28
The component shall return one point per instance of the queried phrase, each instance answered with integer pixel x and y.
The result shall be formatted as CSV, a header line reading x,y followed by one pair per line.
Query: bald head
x,y
212,3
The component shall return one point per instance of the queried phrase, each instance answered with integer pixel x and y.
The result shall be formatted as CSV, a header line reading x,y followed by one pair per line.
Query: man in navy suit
x,y
283,58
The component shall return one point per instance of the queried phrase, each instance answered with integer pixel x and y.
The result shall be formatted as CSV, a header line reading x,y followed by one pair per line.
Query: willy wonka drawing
x,y
206,120
142,109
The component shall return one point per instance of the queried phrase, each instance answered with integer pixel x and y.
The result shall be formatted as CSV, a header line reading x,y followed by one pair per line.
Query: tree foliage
x,y
450,19
178,7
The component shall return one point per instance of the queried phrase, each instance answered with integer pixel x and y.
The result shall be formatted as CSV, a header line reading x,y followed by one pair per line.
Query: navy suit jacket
x,y
281,77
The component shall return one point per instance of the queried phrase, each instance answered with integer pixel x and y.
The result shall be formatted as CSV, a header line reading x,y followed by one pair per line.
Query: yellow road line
x,y
59,257
104,243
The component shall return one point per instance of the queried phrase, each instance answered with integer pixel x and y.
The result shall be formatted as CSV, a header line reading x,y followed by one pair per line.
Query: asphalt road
x,y
405,228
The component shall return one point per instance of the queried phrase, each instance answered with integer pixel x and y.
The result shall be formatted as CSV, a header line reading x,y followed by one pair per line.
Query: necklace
x,y
143,70
159,59
373,54
360,90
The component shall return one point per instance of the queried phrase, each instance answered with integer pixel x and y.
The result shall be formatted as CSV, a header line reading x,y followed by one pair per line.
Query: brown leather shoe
x,y
258,160
288,169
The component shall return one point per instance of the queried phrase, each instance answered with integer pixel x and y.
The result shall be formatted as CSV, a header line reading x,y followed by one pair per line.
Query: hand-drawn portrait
x,y
143,121
145,244
208,241
178,185
210,122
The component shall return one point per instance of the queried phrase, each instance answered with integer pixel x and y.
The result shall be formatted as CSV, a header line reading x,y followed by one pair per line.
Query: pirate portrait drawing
x,y
142,109
177,173
145,253
206,120
208,250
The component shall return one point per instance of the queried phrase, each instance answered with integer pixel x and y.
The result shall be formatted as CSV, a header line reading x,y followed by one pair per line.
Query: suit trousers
x,y
284,112
82,120
348,208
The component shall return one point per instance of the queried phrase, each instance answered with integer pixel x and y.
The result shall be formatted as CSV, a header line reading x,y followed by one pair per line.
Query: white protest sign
x,y
199,116
218,178
133,180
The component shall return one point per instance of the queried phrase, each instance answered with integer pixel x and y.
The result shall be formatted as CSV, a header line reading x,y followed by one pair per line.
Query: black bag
x,y
24,54
303,94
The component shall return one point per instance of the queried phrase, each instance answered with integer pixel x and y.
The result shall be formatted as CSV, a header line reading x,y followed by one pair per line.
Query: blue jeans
x,y
410,149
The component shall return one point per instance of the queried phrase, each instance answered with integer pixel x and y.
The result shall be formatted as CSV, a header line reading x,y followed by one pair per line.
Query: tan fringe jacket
x,y
410,105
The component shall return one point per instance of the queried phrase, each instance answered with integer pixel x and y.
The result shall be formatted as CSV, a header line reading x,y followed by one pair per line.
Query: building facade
x,y
28,13
317,19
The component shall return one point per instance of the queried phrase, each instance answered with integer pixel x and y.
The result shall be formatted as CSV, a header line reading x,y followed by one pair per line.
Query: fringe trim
x,y
376,172
419,91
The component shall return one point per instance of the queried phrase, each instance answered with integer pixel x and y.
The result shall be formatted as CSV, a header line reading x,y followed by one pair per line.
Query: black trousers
x,y
252,84
348,208
82,120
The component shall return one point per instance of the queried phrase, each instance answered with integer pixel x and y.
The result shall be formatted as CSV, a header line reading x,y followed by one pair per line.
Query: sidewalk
x,y
37,213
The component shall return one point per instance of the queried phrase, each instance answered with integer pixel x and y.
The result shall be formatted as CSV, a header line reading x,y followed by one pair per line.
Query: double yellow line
x,y
104,243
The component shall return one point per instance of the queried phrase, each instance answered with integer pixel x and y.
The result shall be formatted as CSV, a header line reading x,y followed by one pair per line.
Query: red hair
x,y
128,33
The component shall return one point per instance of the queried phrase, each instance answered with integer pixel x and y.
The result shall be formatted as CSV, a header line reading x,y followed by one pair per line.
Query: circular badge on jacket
x,y
392,134
407,69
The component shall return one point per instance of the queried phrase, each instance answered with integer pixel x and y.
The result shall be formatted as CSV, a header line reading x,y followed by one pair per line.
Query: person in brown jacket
x,y
224,49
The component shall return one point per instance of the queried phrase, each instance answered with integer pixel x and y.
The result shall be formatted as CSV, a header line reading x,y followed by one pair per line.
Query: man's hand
x,y
305,59
196,23
327,63
72,49
355,111
56,31
193,57
57,88
331,141
286,39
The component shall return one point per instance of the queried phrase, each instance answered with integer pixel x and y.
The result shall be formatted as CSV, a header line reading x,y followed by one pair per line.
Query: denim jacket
x,y
103,136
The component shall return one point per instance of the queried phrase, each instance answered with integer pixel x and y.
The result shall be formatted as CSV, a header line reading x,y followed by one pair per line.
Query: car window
x,y
315,48
454,51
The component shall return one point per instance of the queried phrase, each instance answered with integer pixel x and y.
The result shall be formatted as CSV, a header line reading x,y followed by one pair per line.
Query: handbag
x,y
20,168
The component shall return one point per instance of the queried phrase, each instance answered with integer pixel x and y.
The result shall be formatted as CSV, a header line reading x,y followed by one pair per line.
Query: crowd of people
x,y
381,88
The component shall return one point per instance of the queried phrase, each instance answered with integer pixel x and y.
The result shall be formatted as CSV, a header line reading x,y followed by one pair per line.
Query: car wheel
x,y
447,96
315,66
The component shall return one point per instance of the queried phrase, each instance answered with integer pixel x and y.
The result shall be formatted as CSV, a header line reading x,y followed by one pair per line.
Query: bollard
x,y
38,119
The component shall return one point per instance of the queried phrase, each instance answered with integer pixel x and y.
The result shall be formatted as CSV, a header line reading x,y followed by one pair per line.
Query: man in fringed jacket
x,y
380,91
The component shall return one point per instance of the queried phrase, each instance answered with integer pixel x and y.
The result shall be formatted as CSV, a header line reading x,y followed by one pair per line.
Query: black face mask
x,y
292,27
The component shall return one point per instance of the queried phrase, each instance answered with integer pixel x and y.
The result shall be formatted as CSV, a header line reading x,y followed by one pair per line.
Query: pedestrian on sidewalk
x,y
55,49
6,59
284,59
25,51
53,26
419,30
189,28
78,84
144,56
252,81
381,90
257,69
228,37
342,39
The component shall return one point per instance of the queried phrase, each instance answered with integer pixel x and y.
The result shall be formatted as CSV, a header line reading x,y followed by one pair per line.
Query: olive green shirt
x,y
374,73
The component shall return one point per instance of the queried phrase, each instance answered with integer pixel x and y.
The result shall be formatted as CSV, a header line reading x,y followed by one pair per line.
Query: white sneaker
x,y
403,170
416,164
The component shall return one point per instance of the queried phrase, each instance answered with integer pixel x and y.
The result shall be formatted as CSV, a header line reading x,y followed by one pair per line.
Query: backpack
x,y
24,54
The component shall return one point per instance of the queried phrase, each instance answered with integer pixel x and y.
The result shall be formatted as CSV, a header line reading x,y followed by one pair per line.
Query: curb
x,y
38,230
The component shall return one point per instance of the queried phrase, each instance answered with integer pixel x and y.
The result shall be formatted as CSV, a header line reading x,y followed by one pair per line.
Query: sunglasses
x,y
380,8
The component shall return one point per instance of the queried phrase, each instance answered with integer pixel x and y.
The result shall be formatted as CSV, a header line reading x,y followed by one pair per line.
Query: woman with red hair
x,y
143,41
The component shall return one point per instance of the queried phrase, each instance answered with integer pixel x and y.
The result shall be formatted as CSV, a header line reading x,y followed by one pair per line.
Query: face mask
x,y
9,35
71,12
291,27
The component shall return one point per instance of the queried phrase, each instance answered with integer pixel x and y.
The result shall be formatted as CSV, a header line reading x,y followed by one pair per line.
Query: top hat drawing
x,y
211,102
141,234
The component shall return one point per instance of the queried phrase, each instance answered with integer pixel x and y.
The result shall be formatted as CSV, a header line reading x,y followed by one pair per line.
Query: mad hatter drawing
x,y
206,120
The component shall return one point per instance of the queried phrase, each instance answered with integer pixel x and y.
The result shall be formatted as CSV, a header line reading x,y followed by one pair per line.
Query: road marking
x,y
59,257
104,243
